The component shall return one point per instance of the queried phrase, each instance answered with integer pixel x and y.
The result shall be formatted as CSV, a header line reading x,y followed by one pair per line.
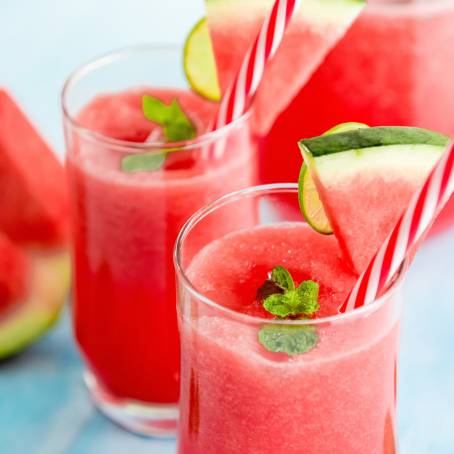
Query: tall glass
x,y
238,397
125,224
393,67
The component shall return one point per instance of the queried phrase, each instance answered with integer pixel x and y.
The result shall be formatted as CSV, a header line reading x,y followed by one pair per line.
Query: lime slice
x,y
344,127
199,62
310,204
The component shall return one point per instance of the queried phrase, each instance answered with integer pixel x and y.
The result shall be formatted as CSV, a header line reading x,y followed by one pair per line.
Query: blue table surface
x,y
44,408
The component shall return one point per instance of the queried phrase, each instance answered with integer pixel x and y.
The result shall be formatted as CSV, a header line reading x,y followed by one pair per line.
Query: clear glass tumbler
x,y
236,396
125,220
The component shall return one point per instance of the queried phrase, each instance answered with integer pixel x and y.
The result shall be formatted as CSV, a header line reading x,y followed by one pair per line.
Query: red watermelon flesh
x,y
33,195
315,29
13,273
363,213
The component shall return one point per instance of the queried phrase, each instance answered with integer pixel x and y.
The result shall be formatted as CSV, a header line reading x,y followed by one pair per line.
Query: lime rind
x,y
344,127
199,62
310,203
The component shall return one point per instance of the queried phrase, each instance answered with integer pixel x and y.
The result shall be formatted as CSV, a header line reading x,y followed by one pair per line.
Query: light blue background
x,y
43,405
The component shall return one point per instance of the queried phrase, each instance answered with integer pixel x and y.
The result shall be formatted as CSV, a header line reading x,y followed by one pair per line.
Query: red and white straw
x,y
414,223
244,86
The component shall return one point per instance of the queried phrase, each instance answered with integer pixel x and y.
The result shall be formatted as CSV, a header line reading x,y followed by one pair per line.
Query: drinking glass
x,y
238,397
125,223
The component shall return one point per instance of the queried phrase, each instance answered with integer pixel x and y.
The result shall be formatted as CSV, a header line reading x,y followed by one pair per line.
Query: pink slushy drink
x,y
125,225
237,395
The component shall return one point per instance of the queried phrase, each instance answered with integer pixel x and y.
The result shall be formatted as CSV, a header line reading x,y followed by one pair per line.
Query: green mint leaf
x,y
176,125
180,127
285,305
302,301
308,292
155,110
283,278
143,162
278,305
292,340
268,288
279,282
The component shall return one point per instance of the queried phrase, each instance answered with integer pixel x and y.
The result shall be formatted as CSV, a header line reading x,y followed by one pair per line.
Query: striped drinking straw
x,y
414,223
242,89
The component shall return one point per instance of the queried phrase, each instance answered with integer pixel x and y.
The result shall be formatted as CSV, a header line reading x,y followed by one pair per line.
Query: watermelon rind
x,y
31,318
363,138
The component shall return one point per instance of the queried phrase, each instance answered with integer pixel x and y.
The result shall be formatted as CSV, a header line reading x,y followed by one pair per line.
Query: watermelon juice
x,y
124,227
389,69
236,396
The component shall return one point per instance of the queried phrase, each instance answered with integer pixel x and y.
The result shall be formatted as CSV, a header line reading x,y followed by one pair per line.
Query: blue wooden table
x,y
44,408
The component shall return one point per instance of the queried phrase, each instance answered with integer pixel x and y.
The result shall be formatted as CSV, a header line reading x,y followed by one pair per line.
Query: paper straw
x,y
414,223
243,87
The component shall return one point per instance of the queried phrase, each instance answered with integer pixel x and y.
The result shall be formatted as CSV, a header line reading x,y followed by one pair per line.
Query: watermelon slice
x,y
314,30
34,265
366,178
32,314
13,272
33,197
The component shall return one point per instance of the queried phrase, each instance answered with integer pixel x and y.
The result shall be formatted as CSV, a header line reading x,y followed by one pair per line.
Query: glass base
x,y
141,418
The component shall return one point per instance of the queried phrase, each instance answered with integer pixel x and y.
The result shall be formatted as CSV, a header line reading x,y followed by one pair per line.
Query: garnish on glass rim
x,y
284,300
176,127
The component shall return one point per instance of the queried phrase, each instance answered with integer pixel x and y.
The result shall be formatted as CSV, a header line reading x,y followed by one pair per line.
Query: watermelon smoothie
x,y
236,396
389,69
124,228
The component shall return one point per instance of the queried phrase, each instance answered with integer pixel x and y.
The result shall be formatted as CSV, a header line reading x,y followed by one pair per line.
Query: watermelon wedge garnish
x,y
34,263
315,29
366,178
33,194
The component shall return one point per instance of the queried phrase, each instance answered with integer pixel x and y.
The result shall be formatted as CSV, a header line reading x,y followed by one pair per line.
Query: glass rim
x,y
123,145
275,188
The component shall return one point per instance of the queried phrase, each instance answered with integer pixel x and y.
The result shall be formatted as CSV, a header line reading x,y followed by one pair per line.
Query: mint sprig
x,y
176,127
283,299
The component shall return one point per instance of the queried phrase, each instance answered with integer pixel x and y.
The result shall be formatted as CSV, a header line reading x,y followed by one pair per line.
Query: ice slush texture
x,y
237,397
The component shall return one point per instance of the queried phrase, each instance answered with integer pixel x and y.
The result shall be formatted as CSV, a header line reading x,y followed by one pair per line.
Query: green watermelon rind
x,y
39,312
362,139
